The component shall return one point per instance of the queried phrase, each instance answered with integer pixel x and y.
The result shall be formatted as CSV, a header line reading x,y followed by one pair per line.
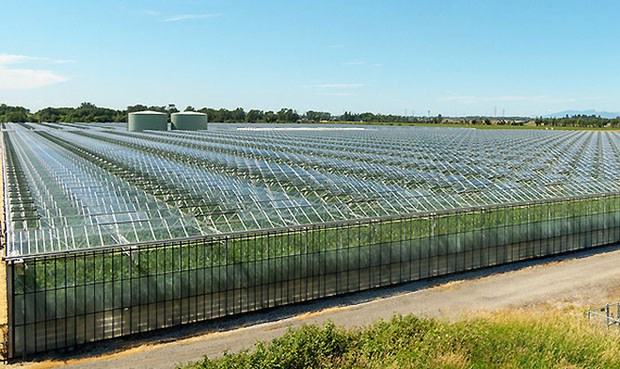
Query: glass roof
x,y
77,186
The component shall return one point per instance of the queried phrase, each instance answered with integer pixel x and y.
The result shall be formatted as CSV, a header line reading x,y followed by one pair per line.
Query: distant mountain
x,y
570,113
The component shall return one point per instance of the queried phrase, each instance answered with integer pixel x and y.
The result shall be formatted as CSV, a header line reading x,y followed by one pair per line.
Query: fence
x,y
608,315
63,300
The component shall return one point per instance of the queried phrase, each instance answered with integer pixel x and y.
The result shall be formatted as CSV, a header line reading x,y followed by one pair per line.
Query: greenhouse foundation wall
x,y
58,301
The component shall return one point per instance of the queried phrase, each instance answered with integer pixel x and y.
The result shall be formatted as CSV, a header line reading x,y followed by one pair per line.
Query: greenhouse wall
x,y
64,300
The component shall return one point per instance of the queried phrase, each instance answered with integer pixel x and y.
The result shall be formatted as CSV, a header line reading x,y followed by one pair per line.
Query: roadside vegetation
x,y
88,112
508,339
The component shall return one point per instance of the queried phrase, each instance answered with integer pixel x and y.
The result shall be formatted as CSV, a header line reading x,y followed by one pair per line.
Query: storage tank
x,y
143,120
189,121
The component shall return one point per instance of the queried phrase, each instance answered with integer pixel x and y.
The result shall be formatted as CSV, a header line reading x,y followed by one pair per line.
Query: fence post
x,y
607,315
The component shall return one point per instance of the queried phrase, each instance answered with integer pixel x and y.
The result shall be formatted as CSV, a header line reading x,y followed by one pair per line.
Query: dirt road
x,y
579,280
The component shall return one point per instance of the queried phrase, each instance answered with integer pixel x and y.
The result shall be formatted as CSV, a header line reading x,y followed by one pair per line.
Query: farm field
x,y
111,233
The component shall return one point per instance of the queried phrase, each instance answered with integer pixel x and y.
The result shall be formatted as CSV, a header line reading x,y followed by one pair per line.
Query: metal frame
x,y
86,187
65,300
132,232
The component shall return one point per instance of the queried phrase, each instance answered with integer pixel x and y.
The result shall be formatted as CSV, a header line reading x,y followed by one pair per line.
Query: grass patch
x,y
509,339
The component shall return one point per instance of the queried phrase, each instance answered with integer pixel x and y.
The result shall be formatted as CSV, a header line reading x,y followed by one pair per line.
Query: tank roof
x,y
148,112
189,113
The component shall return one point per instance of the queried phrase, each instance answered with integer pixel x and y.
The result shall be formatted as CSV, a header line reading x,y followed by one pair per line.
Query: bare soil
x,y
568,284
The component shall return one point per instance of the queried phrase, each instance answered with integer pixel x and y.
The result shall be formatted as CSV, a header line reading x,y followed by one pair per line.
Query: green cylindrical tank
x,y
151,120
189,121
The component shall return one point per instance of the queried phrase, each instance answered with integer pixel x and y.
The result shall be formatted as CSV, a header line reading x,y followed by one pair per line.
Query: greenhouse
x,y
111,233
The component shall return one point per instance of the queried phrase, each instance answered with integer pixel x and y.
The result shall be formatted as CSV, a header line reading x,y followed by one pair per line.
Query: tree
x,y
317,116
135,108
287,115
237,115
171,108
254,116
52,115
16,114
15,117
348,116
270,117
367,117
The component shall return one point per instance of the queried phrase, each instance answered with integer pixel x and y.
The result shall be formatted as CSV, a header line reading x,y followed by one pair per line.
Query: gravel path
x,y
579,280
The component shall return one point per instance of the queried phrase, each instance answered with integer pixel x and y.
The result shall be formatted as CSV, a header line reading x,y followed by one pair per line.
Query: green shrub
x,y
511,339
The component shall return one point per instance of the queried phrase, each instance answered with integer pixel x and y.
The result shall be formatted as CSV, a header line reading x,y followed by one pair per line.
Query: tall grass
x,y
509,339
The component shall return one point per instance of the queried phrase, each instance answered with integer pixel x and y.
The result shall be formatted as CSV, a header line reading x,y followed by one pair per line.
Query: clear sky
x,y
453,57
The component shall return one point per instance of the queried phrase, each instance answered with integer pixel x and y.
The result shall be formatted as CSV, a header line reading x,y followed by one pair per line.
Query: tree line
x,y
580,120
88,112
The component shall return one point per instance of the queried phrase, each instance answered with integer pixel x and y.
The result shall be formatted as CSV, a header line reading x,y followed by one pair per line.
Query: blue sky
x,y
453,57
